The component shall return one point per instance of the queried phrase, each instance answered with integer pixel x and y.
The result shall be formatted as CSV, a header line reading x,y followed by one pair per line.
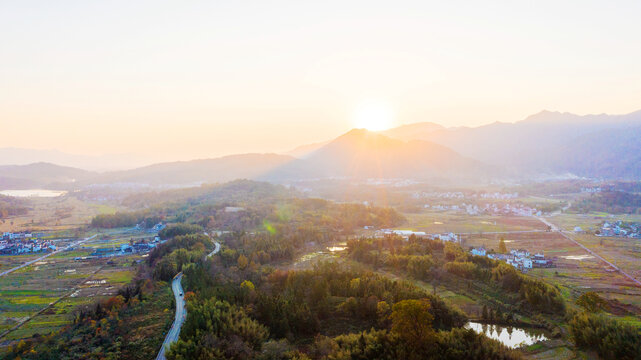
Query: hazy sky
x,y
186,79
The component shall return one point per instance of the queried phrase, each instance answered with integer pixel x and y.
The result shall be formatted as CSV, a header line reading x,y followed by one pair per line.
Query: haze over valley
x,y
331,180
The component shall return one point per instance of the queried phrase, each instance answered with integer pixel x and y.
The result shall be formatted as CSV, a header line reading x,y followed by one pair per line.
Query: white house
x,y
479,252
520,253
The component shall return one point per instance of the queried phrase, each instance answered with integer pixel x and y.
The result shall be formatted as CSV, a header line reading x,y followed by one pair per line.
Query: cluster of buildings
x,y
126,249
499,195
11,244
591,190
620,229
154,229
16,236
407,233
519,258
489,209
510,209
461,195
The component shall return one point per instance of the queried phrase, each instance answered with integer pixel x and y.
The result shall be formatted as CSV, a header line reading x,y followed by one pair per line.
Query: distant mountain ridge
x,y
40,175
554,143
364,154
547,141
195,172
21,156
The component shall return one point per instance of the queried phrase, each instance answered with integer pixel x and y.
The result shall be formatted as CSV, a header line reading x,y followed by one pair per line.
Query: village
x,y
407,233
140,247
492,209
24,243
620,229
519,258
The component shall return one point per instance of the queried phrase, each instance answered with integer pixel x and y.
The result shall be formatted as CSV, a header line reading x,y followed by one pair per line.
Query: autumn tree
x,y
592,302
502,247
412,323
242,262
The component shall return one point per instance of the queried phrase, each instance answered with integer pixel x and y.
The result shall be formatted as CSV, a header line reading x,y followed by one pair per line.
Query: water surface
x,y
512,337
33,193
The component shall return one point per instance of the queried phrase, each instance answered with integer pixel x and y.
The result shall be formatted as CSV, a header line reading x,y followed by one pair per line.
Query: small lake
x,y
33,193
511,337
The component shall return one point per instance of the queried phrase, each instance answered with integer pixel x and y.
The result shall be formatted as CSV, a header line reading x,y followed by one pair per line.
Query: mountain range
x,y
553,142
21,156
596,146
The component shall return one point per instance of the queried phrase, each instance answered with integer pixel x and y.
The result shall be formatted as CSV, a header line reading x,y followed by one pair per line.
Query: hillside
x,y
608,153
363,154
587,145
245,166
416,131
40,175
21,156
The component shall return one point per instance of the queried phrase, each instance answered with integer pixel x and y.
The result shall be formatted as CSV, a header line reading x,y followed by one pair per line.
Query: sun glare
x,y
373,116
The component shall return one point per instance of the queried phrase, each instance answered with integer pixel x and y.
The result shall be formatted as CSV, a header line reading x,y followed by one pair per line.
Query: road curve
x,y
46,256
181,312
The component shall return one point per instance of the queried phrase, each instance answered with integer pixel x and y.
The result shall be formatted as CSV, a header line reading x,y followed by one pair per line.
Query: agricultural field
x,y
47,292
54,214
440,222
575,270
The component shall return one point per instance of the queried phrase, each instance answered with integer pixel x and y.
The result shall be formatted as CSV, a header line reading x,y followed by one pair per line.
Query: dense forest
x,y
125,219
614,202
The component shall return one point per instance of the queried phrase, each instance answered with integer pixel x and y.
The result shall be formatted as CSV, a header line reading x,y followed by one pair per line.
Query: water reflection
x,y
32,193
338,247
510,336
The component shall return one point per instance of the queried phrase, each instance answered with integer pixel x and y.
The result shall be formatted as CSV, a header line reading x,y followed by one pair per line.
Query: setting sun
x,y
374,116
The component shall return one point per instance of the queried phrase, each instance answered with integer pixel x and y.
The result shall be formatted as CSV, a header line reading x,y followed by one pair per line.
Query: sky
x,y
194,79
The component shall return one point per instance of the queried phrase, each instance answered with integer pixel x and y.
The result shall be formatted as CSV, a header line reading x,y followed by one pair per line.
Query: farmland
x,y
55,215
576,271
439,222
46,293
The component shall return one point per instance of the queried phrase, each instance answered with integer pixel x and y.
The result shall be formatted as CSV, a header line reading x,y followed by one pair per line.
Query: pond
x,y
512,337
33,193
337,247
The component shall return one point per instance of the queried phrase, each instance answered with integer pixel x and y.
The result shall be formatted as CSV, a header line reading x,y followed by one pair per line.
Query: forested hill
x,y
233,192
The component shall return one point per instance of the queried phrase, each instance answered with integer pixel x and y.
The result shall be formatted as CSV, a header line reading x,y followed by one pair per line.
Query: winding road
x,y
46,256
181,312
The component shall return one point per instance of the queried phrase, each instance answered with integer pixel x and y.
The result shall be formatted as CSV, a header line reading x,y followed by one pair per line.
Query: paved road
x,y
556,229
179,319
216,249
181,312
46,256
